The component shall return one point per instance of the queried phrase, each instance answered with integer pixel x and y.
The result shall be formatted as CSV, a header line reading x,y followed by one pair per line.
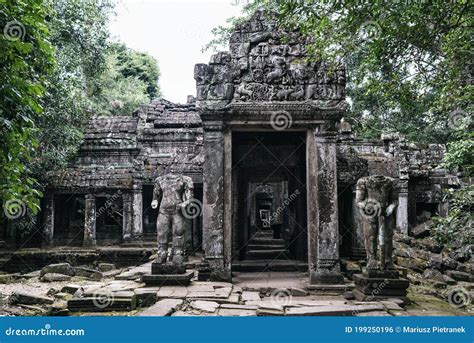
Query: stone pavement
x,y
251,294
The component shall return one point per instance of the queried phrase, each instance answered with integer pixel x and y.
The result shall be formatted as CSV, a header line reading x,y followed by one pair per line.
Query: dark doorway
x,y
109,222
269,196
69,220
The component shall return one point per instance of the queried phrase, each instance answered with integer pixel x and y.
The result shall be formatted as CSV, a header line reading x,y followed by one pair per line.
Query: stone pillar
x,y
127,216
137,211
89,221
213,201
323,227
48,229
402,208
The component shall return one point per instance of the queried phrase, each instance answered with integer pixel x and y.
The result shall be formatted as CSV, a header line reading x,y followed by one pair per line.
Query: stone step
x,y
269,265
263,234
104,303
267,241
139,244
266,246
267,254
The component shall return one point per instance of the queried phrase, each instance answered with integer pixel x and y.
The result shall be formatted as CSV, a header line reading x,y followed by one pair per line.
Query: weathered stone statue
x,y
171,193
377,199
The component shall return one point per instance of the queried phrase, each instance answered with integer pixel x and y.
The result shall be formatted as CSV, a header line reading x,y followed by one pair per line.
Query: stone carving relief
x,y
265,64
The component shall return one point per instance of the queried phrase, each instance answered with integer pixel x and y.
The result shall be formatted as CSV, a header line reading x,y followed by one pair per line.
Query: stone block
x,y
363,281
333,310
58,268
460,276
103,303
205,306
422,230
168,280
106,267
88,273
55,277
433,274
227,312
162,308
380,274
146,297
250,296
167,268
24,298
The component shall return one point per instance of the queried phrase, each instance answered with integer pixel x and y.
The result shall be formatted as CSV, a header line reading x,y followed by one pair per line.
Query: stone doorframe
x,y
321,176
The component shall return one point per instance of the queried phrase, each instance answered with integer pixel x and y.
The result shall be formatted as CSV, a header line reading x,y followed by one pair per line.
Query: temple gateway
x,y
273,164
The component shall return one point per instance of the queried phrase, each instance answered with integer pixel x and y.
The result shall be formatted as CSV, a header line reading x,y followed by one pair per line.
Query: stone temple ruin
x,y
273,163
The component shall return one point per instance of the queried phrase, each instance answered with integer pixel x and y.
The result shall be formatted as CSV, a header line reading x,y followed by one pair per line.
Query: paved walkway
x,y
250,294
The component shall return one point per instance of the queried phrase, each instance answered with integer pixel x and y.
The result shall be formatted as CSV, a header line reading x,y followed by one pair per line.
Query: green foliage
x,y
60,71
460,154
409,63
129,80
456,230
78,31
134,64
26,60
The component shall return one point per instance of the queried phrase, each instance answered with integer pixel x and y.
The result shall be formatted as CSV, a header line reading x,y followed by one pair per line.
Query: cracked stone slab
x,y
333,310
175,292
239,307
162,308
204,287
220,293
236,312
29,299
232,299
250,296
206,306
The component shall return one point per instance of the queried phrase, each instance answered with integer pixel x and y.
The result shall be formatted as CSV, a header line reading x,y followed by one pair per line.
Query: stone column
x,y
90,221
127,216
402,208
137,210
213,201
48,229
323,227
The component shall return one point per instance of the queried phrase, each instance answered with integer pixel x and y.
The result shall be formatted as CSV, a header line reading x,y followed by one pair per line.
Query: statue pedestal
x,y
373,285
204,271
168,274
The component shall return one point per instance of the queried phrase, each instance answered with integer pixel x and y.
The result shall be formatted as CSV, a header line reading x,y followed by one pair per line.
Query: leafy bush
x,y
456,230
